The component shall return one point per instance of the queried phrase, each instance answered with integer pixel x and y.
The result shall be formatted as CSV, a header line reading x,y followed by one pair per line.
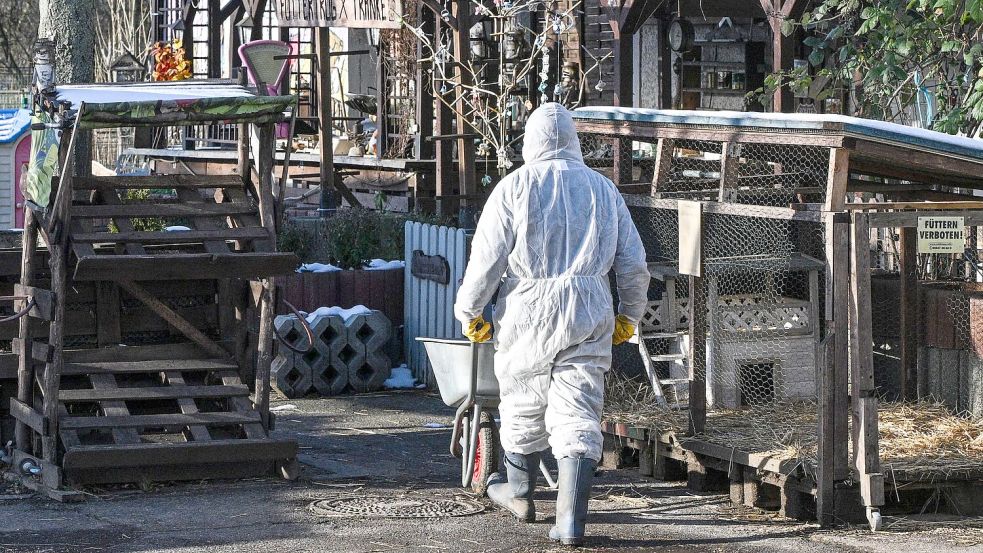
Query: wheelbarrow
x,y
465,374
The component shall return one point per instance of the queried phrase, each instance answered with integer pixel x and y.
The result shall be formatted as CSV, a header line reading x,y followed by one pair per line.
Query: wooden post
x,y
324,116
381,103
25,361
424,149
729,165
665,65
663,164
267,298
623,96
909,314
214,39
51,382
444,149
838,172
697,355
866,454
833,354
465,146
264,358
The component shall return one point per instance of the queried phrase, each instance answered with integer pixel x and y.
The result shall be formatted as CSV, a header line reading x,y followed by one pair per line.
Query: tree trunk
x,y
69,23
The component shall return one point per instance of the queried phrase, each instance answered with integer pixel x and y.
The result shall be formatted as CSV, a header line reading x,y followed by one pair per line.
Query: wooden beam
x,y
729,165
663,163
175,320
697,355
165,419
623,96
322,43
635,13
466,174
910,313
129,211
837,176
213,39
929,206
665,65
152,393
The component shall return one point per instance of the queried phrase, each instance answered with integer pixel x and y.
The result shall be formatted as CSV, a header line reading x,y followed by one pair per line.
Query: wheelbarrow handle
x,y
466,405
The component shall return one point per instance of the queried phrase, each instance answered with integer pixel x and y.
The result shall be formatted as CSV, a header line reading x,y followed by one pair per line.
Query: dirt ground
x,y
389,445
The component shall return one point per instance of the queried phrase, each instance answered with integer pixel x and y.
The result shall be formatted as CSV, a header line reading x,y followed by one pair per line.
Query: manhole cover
x,y
395,507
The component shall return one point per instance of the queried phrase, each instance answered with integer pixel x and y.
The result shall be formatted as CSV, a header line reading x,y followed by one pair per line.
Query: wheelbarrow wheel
x,y
486,453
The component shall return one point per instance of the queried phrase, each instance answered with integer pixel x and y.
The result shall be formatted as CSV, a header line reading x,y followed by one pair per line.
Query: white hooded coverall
x,y
547,238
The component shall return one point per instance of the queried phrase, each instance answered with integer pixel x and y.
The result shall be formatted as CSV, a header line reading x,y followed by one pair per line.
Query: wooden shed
x,y
15,154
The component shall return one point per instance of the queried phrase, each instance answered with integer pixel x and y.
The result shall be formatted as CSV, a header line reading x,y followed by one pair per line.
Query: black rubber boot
x,y
515,494
576,474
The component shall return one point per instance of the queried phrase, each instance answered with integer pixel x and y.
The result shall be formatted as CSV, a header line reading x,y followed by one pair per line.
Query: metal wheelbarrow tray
x,y
465,374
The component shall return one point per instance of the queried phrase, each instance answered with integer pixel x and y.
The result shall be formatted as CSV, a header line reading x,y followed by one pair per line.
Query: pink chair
x,y
266,71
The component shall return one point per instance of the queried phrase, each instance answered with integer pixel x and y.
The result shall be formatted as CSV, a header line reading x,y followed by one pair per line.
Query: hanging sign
x,y
353,14
941,234
430,267
690,237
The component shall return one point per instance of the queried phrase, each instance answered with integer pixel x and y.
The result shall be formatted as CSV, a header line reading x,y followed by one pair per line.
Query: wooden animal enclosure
x,y
795,217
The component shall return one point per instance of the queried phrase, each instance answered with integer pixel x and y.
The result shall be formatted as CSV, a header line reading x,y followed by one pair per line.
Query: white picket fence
x,y
429,305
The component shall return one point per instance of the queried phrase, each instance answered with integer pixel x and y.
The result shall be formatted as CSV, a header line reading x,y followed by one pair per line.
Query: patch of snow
x,y
345,314
435,425
381,264
176,228
317,268
400,379
284,407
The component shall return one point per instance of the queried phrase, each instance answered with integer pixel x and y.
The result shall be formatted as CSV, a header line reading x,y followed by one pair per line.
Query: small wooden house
x,y
15,154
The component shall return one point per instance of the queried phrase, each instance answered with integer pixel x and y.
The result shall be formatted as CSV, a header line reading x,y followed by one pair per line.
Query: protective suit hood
x,y
550,134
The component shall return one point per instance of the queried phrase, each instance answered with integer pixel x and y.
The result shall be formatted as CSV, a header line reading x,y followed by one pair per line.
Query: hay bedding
x,y
919,438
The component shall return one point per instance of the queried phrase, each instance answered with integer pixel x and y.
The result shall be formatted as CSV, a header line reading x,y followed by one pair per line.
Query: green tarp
x,y
252,109
44,162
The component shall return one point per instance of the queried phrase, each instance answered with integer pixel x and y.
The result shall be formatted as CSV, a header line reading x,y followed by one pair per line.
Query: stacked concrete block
x,y
329,371
290,375
346,353
368,334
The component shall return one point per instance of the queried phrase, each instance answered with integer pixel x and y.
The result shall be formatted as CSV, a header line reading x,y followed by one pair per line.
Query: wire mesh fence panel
x,y
925,315
749,173
762,290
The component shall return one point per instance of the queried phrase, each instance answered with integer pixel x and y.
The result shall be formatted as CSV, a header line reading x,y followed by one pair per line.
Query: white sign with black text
x,y
941,234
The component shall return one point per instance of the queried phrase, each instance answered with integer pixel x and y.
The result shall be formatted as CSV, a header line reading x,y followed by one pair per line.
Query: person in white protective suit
x,y
547,238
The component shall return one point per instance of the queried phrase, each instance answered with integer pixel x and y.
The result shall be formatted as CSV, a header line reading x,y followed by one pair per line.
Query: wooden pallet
x,y
228,237
787,487
151,417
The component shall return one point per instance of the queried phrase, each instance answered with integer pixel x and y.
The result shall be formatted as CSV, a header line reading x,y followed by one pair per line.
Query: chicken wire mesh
x,y
758,174
763,295
934,430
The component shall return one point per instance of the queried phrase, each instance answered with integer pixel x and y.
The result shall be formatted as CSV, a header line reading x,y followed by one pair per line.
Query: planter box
x,y
379,290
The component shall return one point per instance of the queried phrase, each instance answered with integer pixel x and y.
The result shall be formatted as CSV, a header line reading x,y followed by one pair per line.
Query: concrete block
x,y
330,333
328,376
290,378
371,329
292,331
369,374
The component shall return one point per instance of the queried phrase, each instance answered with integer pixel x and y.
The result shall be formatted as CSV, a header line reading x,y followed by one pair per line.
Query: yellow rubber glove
x,y
623,330
478,330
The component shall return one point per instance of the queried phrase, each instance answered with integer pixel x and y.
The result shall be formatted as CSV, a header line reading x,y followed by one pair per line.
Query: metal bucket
x,y
451,361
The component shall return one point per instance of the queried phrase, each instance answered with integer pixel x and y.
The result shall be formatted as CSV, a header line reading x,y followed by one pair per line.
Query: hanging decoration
x,y
170,63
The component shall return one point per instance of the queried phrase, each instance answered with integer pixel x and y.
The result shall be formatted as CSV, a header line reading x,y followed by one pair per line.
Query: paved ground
x,y
381,445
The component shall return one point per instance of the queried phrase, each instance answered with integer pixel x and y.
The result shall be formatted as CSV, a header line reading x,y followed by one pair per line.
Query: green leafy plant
x,y
895,57
148,224
349,238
